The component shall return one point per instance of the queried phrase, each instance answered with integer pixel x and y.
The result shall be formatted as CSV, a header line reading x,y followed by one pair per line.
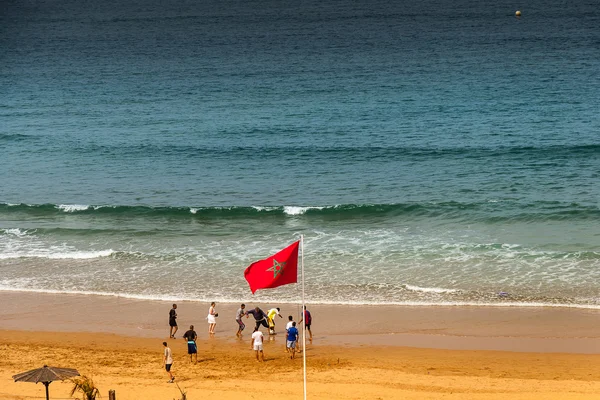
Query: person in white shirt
x,y
257,345
287,327
168,361
289,324
211,317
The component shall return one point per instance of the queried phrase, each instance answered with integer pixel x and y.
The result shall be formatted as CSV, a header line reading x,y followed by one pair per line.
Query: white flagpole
x,y
303,318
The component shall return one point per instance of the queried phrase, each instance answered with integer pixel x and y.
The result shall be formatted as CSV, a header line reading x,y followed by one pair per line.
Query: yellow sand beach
x,y
132,367
341,365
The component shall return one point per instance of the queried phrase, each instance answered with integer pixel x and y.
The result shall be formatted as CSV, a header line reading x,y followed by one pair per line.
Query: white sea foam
x,y
73,255
4,288
193,210
429,290
72,207
16,232
295,210
260,208
270,299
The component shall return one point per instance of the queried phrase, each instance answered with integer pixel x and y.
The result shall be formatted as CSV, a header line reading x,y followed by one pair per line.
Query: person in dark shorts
x,y
191,337
238,318
168,361
259,317
307,322
173,321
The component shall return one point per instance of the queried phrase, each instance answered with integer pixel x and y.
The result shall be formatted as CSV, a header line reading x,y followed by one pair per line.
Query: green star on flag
x,y
277,268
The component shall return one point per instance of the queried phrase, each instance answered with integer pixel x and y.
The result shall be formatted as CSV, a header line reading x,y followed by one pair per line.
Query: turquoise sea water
x,y
433,153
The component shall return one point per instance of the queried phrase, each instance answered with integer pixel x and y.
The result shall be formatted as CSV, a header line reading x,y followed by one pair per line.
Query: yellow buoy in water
x,y
518,13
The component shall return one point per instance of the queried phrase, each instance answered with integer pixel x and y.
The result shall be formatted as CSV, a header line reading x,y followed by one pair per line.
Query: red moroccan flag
x,y
279,269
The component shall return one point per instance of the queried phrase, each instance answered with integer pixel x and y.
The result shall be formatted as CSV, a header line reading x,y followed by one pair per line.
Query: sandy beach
x,y
357,352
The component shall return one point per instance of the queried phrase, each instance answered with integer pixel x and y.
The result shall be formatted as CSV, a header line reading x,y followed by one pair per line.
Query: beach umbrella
x,y
46,375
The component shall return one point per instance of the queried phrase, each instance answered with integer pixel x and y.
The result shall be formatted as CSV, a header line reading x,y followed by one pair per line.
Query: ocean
x,y
431,153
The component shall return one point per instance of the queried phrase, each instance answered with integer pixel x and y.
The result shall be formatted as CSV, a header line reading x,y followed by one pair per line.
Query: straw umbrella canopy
x,y
46,375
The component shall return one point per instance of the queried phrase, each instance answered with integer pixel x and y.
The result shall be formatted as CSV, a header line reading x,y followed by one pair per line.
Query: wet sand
x,y
358,352
461,328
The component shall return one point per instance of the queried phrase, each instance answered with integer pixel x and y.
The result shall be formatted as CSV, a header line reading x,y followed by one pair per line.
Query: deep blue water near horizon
x,y
432,153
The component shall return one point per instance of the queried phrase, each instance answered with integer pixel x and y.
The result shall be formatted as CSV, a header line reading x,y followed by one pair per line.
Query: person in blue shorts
x,y
292,339
168,362
191,338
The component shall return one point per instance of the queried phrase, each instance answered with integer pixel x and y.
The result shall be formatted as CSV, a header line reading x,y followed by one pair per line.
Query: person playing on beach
x,y
191,337
292,339
168,361
287,328
307,322
290,323
173,321
238,318
271,319
259,316
257,344
212,318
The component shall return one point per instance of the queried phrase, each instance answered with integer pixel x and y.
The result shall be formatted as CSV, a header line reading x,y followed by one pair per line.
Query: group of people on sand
x,y
211,318
261,318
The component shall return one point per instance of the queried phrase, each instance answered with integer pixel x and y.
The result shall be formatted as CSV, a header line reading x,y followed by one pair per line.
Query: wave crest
x,y
484,211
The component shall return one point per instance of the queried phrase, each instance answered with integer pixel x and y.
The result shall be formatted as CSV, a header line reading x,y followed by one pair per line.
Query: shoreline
x,y
547,330
503,304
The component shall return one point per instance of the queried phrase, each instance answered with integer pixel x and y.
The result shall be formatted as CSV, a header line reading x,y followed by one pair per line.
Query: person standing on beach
x,y
290,323
259,316
191,338
307,322
271,319
287,328
168,362
173,321
257,345
212,318
238,318
292,339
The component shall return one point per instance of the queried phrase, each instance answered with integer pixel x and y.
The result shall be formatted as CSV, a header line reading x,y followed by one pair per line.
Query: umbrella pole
x,y
47,394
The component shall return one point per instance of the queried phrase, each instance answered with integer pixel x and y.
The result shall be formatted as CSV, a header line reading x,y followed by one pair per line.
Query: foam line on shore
x,y
319,302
